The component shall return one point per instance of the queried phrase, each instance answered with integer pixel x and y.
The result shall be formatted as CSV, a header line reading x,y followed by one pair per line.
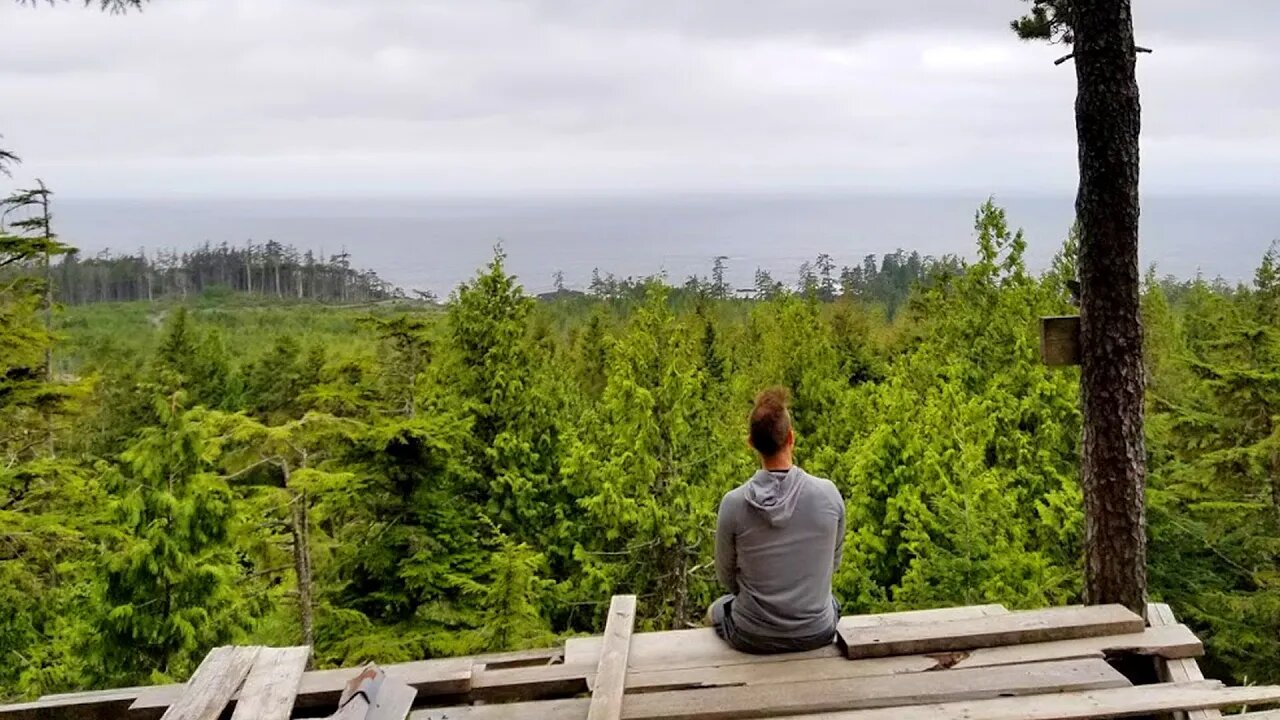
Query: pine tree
x,y
495,374
290,465
169,591
649,466
1108,122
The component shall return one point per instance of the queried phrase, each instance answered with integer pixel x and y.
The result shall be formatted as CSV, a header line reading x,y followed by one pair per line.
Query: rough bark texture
x,y
1108,121
302,563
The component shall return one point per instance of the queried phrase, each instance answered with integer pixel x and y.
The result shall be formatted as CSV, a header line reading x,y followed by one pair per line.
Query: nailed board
x,y
1031,626
675,649
322,688
1060,340
818,696
825,695
1178,670
611,674
100,707
269,691
565,680
533,683
530,683
1119,702
917,617
211,687
1170,642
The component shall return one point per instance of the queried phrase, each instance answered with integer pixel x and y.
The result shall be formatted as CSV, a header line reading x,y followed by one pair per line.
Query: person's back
x,y
779,539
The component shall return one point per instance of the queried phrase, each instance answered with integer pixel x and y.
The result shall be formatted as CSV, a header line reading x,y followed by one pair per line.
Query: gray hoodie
x,y
779,538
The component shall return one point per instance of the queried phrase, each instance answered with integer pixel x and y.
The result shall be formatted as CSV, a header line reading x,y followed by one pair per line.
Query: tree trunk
x,y
1275,486
1108,121
302,562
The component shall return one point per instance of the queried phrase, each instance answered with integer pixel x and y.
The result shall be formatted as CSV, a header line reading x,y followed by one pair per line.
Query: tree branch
x,y
1070,55
273,460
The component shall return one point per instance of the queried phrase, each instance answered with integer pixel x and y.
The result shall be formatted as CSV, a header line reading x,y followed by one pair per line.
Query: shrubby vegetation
x,y
482,475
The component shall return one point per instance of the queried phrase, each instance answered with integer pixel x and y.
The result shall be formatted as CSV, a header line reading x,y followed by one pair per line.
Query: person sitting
x,y
779,539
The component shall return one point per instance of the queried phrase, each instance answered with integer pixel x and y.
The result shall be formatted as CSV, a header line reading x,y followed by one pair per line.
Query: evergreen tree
x,y
649,466
169,591
495,374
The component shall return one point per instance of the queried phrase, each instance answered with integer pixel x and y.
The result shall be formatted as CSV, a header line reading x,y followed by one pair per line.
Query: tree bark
x,y
1108,122
302,561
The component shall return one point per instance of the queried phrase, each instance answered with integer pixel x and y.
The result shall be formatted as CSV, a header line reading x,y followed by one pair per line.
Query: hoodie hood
x,y
775,496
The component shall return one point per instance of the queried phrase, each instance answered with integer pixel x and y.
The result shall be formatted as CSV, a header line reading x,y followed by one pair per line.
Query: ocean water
x,y
433,244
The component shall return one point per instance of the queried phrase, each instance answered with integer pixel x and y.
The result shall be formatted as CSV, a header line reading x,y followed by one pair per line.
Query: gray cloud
x,y
501,96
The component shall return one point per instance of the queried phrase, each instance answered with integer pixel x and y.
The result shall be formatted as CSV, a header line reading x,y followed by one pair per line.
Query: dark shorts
x,y
721,613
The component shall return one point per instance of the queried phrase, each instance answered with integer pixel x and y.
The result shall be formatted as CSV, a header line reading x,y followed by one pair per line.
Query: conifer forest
x,y
294,455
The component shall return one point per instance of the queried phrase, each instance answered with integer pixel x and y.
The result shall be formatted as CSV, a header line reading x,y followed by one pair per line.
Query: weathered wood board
x,y
611,673
918,617
1083,705
532,683
101,707
1120,702
529,683
1031,626
212,685
1060,340
269,690
322,688
1178,670
1172,642
674,649
760,701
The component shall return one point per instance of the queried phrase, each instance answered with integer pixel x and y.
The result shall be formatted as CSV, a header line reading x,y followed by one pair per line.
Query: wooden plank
x,y
674,649
611,673
111,694
1174,641
373,695
553,681
1177,670
531,683
1063,623
101,708
1060,340
1114,703
443,677
1084,705
826,695
761,701
917,617
519,658
213,684
272,685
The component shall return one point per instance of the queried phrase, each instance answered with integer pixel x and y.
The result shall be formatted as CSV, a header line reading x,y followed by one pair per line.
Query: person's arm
x,y
839,539
726,548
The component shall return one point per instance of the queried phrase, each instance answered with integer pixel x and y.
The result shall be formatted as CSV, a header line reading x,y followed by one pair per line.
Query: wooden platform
x,y
975,663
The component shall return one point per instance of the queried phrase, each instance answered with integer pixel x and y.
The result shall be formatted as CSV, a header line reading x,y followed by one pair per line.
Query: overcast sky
x,y
311,97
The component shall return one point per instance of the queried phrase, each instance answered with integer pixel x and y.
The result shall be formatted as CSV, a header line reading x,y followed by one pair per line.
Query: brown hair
x,y
770,421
